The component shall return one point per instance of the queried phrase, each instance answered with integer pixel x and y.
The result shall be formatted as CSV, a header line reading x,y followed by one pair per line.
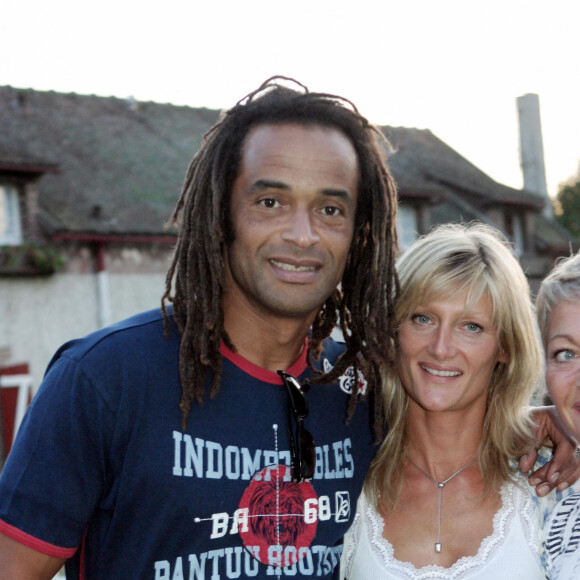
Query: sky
x,y
455,67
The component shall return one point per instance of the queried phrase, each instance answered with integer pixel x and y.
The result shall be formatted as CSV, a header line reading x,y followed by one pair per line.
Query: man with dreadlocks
x,y
226,435
169,445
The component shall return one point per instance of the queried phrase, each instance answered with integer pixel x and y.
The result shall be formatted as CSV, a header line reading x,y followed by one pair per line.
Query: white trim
x,y
104,298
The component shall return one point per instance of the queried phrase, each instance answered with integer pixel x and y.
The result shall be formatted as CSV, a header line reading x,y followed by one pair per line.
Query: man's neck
x,y
272,344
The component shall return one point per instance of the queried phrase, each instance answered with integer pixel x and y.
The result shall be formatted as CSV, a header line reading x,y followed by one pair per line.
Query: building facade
x,y
88,183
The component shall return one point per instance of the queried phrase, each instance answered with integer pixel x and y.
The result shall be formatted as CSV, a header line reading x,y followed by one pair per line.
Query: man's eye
x,y
269,202
331,211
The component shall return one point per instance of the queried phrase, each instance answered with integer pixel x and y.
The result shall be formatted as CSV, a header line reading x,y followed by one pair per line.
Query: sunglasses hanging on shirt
x,y
303,455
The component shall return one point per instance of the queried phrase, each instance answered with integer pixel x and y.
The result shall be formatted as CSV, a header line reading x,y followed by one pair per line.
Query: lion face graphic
x,y
278,532
277,512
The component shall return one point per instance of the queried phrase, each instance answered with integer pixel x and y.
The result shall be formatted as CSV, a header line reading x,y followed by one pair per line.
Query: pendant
x,y
438,547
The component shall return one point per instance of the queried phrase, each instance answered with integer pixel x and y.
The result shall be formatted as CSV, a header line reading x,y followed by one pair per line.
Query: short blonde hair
x,y
561,285
475,258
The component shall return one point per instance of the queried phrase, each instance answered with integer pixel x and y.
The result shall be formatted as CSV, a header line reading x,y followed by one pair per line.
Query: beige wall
x,y
37,315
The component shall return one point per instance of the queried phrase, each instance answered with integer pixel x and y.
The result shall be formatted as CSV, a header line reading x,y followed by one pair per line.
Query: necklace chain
x,y
440,485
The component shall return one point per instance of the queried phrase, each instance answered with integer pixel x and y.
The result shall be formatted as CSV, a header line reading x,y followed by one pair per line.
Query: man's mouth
x,y
292,267
438,373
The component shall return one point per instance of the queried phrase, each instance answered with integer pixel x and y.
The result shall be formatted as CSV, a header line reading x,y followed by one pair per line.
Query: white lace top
x,y
513,551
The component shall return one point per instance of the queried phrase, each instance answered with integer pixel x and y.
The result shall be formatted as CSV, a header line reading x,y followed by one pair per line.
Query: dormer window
x,y
10,226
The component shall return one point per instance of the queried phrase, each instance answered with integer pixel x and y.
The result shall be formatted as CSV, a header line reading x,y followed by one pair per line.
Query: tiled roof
x,y
421,162
121,164
116,167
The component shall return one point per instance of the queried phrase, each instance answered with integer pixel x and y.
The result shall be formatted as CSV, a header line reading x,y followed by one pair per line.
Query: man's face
x,y
293,208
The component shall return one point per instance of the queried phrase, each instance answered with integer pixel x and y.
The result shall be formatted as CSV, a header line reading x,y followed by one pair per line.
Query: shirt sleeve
x,y
57,471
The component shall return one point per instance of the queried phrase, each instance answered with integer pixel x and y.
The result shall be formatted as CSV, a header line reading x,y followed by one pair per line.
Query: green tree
x,y
567,205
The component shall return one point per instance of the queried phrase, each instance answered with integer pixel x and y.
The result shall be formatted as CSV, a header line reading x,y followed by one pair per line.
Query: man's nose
x,y
300,228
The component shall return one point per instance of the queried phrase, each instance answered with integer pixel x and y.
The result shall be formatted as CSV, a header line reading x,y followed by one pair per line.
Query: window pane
x,y
515,230
406,225
10,231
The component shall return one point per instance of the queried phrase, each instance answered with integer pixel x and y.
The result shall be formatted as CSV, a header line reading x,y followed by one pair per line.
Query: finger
x,y
564,460
569,473
543,489
539,476
528,461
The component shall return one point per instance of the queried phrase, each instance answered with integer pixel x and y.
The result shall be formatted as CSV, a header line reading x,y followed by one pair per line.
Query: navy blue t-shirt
x,y
103,474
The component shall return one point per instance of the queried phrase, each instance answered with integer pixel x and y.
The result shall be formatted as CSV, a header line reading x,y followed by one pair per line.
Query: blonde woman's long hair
x,y
477,259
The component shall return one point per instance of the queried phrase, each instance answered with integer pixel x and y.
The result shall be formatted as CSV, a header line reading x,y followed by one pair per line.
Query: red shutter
x,y
15,396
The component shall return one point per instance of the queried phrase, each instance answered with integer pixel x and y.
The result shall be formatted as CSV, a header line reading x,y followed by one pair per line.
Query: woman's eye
x,y
421,319
473,327
564,355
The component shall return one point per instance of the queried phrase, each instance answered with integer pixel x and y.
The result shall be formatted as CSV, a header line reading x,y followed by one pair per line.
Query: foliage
x,y
567,205
30,259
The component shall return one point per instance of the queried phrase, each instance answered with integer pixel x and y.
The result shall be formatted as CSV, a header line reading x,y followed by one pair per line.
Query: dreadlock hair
x,y
194,284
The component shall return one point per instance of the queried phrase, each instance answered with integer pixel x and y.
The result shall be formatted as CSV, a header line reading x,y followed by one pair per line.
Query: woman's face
x,y
447,353
563,363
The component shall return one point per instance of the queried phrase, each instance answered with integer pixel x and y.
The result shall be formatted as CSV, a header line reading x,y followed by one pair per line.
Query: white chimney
x,y
532,148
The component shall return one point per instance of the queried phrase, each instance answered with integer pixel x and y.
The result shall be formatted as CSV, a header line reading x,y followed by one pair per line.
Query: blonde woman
x,y
444,497
558,306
